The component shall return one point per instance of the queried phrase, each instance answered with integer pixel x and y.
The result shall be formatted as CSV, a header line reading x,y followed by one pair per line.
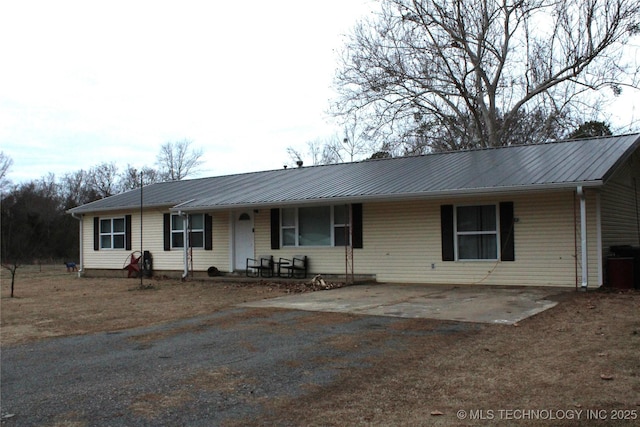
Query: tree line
x,y
34,219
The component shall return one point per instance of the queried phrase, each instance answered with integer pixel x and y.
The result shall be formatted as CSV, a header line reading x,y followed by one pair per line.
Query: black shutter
x,y
356,232
127,232
507,246
275,228
208,232
96,233
167,232
446,227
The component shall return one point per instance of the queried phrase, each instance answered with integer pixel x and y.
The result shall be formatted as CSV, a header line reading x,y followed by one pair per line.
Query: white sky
x,y
85,82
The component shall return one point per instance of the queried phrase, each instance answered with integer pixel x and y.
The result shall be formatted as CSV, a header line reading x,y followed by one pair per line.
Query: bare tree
x,y
130,177
335,149
32,224
177,160
104,179
355,142
77,188
5,163
469,73
15,248
321,152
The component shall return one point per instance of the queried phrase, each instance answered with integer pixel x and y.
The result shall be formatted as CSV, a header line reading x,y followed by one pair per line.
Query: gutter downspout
x,y
81,260
583,237
599,239
185,245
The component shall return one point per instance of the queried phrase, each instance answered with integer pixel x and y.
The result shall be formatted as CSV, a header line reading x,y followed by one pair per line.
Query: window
x,y
195,234
112,233
315,226
289,227
476,232
470,232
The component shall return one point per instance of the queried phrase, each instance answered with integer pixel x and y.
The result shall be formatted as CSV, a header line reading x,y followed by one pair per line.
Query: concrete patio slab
x,y
500,305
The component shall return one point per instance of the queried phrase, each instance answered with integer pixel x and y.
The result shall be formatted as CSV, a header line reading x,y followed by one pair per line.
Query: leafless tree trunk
x,y
453,74
355,142
13,268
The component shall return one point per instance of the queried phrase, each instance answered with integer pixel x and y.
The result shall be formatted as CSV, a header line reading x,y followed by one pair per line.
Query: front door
x,y
243,239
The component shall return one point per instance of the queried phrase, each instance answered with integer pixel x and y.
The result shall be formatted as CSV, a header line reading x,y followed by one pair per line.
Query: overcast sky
x,y
85,82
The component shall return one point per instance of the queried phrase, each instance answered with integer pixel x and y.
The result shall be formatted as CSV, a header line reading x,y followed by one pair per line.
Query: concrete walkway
x,y
483,304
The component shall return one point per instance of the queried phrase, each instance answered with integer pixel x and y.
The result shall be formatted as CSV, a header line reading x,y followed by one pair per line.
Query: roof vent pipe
x,y
299,163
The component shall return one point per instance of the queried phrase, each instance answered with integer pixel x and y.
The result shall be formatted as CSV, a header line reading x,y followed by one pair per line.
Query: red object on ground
x,y
133,268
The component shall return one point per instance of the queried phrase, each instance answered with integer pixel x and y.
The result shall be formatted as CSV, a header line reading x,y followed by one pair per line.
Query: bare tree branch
x,y
104,179
177,160
5,163
480,72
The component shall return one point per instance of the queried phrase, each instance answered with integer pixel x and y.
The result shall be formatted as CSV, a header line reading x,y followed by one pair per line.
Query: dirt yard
x,y
575,364
50,302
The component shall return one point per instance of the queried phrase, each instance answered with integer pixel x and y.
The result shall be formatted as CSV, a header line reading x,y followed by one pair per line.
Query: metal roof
x,y
563,164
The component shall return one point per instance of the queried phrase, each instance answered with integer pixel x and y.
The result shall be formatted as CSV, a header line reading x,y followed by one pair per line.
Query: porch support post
x,y
185,246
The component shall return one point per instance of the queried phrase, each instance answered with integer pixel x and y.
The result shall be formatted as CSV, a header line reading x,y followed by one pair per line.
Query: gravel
x,y
198,372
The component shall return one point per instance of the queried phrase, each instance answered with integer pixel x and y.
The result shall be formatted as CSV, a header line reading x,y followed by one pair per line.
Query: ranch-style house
x,y
541,215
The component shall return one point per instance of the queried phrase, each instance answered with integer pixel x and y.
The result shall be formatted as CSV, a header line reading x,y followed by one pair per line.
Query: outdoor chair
x,y
295,267
262,266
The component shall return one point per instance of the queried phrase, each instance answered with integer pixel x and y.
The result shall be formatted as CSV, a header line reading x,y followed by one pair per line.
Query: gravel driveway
x,y
214,370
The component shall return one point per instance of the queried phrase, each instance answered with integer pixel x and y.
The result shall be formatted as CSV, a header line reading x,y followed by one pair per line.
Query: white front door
x,y
243,239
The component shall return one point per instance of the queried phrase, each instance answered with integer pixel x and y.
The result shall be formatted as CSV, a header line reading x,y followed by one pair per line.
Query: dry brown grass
x,y
50,302
554,361
582,355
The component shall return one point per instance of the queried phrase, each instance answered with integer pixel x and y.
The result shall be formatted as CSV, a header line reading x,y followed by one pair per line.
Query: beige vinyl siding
x,y
220,256
592,241
153,229
201,259
107,258
402,243
544,242
544,248
620,206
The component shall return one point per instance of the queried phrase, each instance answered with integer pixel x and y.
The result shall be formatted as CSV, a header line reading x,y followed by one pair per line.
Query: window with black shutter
x,y
477,232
